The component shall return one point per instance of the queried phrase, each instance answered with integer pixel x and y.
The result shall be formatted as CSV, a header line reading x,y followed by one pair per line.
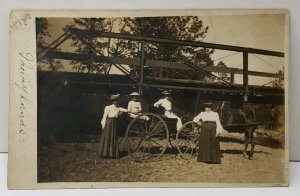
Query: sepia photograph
x,y
197,97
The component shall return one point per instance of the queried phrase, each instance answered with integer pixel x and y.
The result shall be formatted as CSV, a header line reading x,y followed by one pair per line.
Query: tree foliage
x,y
223,76
42,34
180,28
279,82
90,45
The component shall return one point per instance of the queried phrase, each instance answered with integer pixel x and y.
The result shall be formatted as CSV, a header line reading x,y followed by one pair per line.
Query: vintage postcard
x,y
168,98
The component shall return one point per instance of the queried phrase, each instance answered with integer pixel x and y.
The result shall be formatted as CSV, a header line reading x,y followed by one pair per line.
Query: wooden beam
x,y
175,80
205,89
121,80
54,45
175,65
142,60
232,78
154,63
245,72
97,33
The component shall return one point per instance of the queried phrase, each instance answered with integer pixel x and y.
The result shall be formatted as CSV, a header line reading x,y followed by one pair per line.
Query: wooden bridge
x,y
222,89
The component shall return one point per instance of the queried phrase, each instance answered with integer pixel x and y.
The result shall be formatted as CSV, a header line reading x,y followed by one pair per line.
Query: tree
x,y
223,76
41,44
183,28
90,45
178,27
279,82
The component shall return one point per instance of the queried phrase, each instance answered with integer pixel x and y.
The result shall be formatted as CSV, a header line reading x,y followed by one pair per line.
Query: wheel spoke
x,y
142,127
156,149
178,141
192,151
137,132
151,144
187,143
187,149
150,132
132,140
146,126
156,133
156,142
144,137
151,122
184,134
136,145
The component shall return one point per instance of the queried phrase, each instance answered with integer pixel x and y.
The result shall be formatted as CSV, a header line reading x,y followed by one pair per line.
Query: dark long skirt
x,y
209,145
108,144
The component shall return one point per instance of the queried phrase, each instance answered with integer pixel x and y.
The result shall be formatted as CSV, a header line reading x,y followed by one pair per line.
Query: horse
x,y
241,119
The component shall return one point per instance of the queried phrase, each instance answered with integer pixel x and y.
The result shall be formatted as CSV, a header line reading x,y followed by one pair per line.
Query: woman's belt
x,y
209,122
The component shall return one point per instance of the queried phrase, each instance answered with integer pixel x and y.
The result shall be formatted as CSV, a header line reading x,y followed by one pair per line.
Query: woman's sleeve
x,y
140,107
198,117
103,121
158,103
218,122
129,106
123,110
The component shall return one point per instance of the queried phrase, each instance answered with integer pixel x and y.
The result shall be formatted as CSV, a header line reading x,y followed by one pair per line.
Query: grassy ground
x,y
78,162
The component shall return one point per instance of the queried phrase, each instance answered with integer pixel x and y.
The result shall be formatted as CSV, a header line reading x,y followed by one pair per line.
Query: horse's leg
x,y
246,143
252,129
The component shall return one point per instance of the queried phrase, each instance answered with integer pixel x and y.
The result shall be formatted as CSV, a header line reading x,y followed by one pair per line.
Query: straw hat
x,y
166,92
114,97
208,104
134,94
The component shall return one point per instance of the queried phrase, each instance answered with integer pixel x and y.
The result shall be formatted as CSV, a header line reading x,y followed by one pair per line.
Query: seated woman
x,y
209,145
134,106
167,105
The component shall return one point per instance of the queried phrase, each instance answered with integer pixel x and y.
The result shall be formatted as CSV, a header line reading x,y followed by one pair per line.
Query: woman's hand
x,y
199,123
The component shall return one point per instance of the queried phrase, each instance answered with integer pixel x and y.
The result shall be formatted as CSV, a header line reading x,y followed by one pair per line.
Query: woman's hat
x,y
166,92
134,94
208,104
114,97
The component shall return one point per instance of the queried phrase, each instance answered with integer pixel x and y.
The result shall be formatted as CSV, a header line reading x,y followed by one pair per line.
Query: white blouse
x,y
164,103
111,111
134,107
210,116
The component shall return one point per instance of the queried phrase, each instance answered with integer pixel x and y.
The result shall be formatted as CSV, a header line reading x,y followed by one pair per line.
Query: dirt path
x,y
69,162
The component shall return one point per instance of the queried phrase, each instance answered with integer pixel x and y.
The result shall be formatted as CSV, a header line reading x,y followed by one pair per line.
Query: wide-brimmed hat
x,y
208,104
134,94
114,97
166,92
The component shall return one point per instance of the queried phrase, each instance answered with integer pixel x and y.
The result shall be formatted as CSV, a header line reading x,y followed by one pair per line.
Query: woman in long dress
x,y
209,145
108,144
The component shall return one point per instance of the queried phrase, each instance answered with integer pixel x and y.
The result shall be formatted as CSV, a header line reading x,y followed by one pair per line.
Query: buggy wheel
x,y
187,140
147,137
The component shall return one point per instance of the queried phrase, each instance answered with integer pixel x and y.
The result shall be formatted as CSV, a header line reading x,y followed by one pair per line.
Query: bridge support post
x,y
245,75
231,78
142,60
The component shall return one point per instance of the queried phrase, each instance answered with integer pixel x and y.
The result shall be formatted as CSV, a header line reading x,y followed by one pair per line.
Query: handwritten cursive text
x,y
23,87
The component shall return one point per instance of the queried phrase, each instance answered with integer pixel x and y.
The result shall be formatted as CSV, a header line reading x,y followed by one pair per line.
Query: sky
x,y
254,31
262,31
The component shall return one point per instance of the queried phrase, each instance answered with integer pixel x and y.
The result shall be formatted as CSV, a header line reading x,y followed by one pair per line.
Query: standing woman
x,y
209,145
108,144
